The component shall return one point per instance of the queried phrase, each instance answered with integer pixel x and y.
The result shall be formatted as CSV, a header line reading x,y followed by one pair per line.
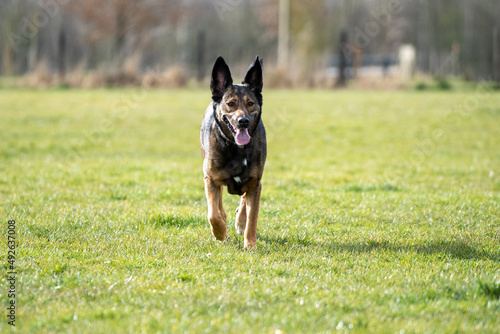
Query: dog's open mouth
x,y
241,136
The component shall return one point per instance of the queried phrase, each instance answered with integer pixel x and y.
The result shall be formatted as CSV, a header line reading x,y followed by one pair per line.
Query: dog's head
x,y
238,106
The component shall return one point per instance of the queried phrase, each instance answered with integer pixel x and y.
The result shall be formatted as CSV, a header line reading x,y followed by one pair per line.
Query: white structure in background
x,y
407,55
283,34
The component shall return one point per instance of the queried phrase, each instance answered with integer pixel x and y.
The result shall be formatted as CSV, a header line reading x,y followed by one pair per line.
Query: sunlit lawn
x,y
379,213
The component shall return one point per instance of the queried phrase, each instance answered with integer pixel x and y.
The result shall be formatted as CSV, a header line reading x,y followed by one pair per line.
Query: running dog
x,y
234,149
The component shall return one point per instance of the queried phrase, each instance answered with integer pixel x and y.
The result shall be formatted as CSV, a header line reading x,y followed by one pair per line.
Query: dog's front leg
x,y
252,199
216,218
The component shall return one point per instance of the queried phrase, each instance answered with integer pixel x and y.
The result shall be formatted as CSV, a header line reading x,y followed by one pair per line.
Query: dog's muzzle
x,y
240,134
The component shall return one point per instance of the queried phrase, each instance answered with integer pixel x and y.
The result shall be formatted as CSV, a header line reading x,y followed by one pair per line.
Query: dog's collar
x,y
221,130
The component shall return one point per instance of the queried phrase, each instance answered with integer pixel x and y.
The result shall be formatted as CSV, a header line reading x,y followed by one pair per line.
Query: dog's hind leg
x,y
252,207
216,214
241,216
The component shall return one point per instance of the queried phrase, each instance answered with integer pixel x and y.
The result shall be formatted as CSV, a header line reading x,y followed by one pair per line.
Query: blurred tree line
x,y
452,37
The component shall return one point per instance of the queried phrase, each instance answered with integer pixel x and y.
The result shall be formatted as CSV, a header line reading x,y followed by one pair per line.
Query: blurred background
x,y
314,43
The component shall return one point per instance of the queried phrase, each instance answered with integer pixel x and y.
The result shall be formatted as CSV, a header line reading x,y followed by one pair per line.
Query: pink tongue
x,y
242,137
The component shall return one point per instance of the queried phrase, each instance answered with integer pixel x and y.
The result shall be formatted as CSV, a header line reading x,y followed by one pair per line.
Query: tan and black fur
x,y
234,149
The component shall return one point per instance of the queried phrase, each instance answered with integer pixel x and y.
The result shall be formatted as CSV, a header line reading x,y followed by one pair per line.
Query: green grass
x,y
379,213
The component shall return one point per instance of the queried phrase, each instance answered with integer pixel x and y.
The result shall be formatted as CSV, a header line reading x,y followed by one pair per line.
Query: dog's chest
x,y
236,164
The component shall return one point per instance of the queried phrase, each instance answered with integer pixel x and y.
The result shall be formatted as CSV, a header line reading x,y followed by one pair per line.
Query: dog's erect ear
x,y
221,79
253,78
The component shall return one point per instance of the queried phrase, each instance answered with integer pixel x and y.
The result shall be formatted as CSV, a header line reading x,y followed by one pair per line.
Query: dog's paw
x,y
238,229
250,246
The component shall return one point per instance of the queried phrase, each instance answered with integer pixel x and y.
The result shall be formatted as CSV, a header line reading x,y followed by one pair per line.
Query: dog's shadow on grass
x,y
456,249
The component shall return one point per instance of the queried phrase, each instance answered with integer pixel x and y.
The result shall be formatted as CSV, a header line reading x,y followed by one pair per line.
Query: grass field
x,y
379,214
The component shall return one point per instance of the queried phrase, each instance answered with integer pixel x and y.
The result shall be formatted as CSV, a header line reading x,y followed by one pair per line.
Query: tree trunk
x,y
343,61
200,56
120,35
7,60
61,54
283,34
496,53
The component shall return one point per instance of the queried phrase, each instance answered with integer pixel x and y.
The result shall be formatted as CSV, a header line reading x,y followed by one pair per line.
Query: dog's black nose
x,y
244,122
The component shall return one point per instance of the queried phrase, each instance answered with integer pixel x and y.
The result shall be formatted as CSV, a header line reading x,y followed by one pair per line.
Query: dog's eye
x,y
250,103
231,104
